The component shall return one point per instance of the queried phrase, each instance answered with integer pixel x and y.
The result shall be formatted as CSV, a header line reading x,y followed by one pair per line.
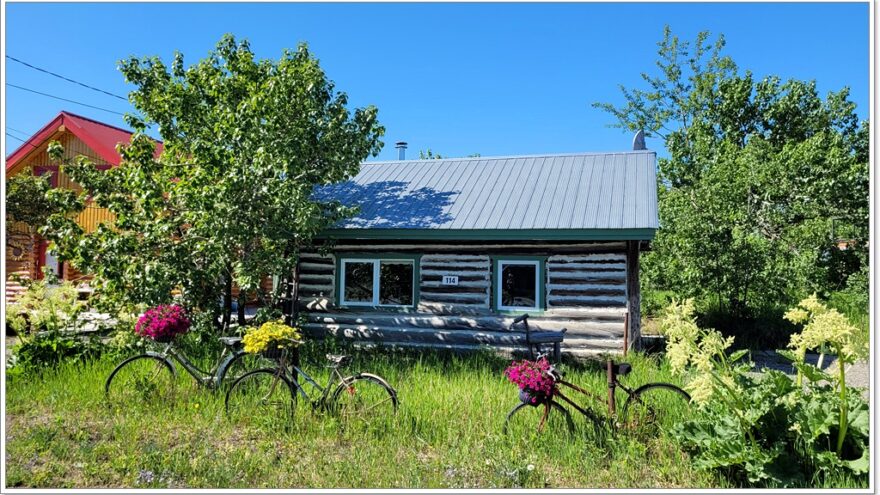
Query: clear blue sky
x,y
495,79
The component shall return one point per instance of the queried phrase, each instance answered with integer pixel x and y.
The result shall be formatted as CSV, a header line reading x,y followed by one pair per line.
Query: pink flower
x,y
529,376
163,323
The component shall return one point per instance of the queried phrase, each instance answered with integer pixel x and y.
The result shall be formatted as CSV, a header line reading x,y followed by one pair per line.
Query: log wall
x,y
585,291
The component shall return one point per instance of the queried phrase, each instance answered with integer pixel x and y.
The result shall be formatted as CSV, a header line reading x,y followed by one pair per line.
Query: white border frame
x,y
377,263
538,297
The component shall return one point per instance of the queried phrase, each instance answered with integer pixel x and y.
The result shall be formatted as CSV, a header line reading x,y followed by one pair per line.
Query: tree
x,y
429,155
29,201
759,175
229,200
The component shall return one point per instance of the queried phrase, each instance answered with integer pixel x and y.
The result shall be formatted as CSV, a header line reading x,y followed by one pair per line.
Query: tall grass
x,y
447,434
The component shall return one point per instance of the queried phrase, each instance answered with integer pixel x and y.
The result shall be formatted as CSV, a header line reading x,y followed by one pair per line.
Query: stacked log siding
x,y
585,290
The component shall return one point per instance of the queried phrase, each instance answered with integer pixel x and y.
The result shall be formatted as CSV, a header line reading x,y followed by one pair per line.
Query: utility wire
x,y
17,130
22,62
64,99
22,140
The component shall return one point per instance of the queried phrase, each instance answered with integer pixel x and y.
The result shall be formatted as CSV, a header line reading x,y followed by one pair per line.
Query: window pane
x,y
396,282
518,285
358,282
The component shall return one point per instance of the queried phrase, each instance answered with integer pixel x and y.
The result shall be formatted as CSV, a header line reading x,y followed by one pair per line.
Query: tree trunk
x,y
242,300
227,301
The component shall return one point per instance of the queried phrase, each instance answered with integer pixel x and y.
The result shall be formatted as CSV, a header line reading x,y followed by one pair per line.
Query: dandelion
x,y
530,467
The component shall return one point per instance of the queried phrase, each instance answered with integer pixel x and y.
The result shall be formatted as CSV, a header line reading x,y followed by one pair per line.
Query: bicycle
x,y
363,395
152,376
646,409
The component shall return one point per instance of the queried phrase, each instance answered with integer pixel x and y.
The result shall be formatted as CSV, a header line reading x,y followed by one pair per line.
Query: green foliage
x,y
50,349
429,155
766,429
763,177
230,198
45,305
26,199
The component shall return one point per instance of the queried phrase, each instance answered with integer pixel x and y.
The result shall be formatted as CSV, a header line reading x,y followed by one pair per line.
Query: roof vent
x,y
401,150
639,141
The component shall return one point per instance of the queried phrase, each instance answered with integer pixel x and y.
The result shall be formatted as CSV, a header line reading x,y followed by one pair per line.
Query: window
x,y
377,282
518,285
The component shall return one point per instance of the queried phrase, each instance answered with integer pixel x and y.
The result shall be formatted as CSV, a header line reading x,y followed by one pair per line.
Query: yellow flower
x,y
272,333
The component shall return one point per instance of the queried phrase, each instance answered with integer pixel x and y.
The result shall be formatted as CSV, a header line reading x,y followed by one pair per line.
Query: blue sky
x,y
494,79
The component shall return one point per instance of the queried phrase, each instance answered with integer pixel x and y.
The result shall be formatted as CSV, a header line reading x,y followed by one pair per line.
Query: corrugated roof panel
x,y
570,192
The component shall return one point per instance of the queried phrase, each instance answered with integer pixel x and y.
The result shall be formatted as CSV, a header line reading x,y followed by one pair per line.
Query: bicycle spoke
x,y
365,399
144,380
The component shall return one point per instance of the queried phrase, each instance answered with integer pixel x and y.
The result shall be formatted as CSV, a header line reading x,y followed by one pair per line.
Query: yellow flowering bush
x,y
272,334
690,347
766,428
824,326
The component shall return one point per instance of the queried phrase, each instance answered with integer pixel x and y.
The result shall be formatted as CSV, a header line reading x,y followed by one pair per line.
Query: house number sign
x,y
450,279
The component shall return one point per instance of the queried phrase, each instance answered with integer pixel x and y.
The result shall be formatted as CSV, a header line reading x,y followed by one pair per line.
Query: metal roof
x,y
569,194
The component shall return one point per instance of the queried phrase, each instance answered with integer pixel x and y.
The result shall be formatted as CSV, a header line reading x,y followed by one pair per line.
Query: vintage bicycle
x,y
152,376
647,409
274,391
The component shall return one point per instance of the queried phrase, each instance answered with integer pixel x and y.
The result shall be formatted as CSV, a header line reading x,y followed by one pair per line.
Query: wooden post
x,y
609,369
633,295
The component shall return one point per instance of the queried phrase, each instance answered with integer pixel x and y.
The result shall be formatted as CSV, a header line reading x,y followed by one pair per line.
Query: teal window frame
x,y
540,262
377,259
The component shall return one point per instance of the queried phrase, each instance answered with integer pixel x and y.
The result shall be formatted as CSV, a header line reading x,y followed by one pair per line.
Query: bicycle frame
x,y
613,384
295,372
210,379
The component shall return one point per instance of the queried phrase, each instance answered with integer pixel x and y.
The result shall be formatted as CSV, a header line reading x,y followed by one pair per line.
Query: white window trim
x,y
538,296
376,272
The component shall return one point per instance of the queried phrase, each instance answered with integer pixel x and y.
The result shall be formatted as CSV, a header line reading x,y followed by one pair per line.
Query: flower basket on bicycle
x,y
535,385
532,397
163,323
271,339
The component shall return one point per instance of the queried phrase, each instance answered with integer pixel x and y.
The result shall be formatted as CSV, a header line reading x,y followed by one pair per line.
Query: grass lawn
x,y
447,434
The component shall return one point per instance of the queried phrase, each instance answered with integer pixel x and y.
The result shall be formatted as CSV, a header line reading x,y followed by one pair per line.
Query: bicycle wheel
x,y
654,408
524,420
141,380
363,398
244,363
265,393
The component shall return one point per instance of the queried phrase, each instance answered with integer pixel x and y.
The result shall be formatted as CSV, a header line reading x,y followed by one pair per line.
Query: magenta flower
x,y
529,376
163,323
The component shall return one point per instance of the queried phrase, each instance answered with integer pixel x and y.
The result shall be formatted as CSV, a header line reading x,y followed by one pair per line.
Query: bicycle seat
x,y
622,369
338,359
230,341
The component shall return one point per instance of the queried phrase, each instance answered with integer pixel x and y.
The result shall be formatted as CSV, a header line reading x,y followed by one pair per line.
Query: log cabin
x,y
446,253
443,253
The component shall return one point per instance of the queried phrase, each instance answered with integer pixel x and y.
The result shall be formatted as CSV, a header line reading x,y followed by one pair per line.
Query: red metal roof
x,y
100,137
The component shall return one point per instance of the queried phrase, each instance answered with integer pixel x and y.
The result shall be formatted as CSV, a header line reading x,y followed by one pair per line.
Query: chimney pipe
x,y
401,150
639,141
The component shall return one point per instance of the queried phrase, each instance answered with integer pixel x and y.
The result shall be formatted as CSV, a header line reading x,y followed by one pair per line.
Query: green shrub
x,y
49,349
768,429
45,305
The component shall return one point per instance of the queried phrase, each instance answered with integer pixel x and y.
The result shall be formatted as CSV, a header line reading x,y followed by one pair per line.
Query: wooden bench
x,y
535,341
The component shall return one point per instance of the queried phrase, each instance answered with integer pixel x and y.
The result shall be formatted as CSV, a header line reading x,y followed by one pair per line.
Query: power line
x,y
65,99
17,130
22,140
22,62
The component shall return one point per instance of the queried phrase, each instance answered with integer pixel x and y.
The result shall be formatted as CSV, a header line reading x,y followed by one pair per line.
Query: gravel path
x,y
858,374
